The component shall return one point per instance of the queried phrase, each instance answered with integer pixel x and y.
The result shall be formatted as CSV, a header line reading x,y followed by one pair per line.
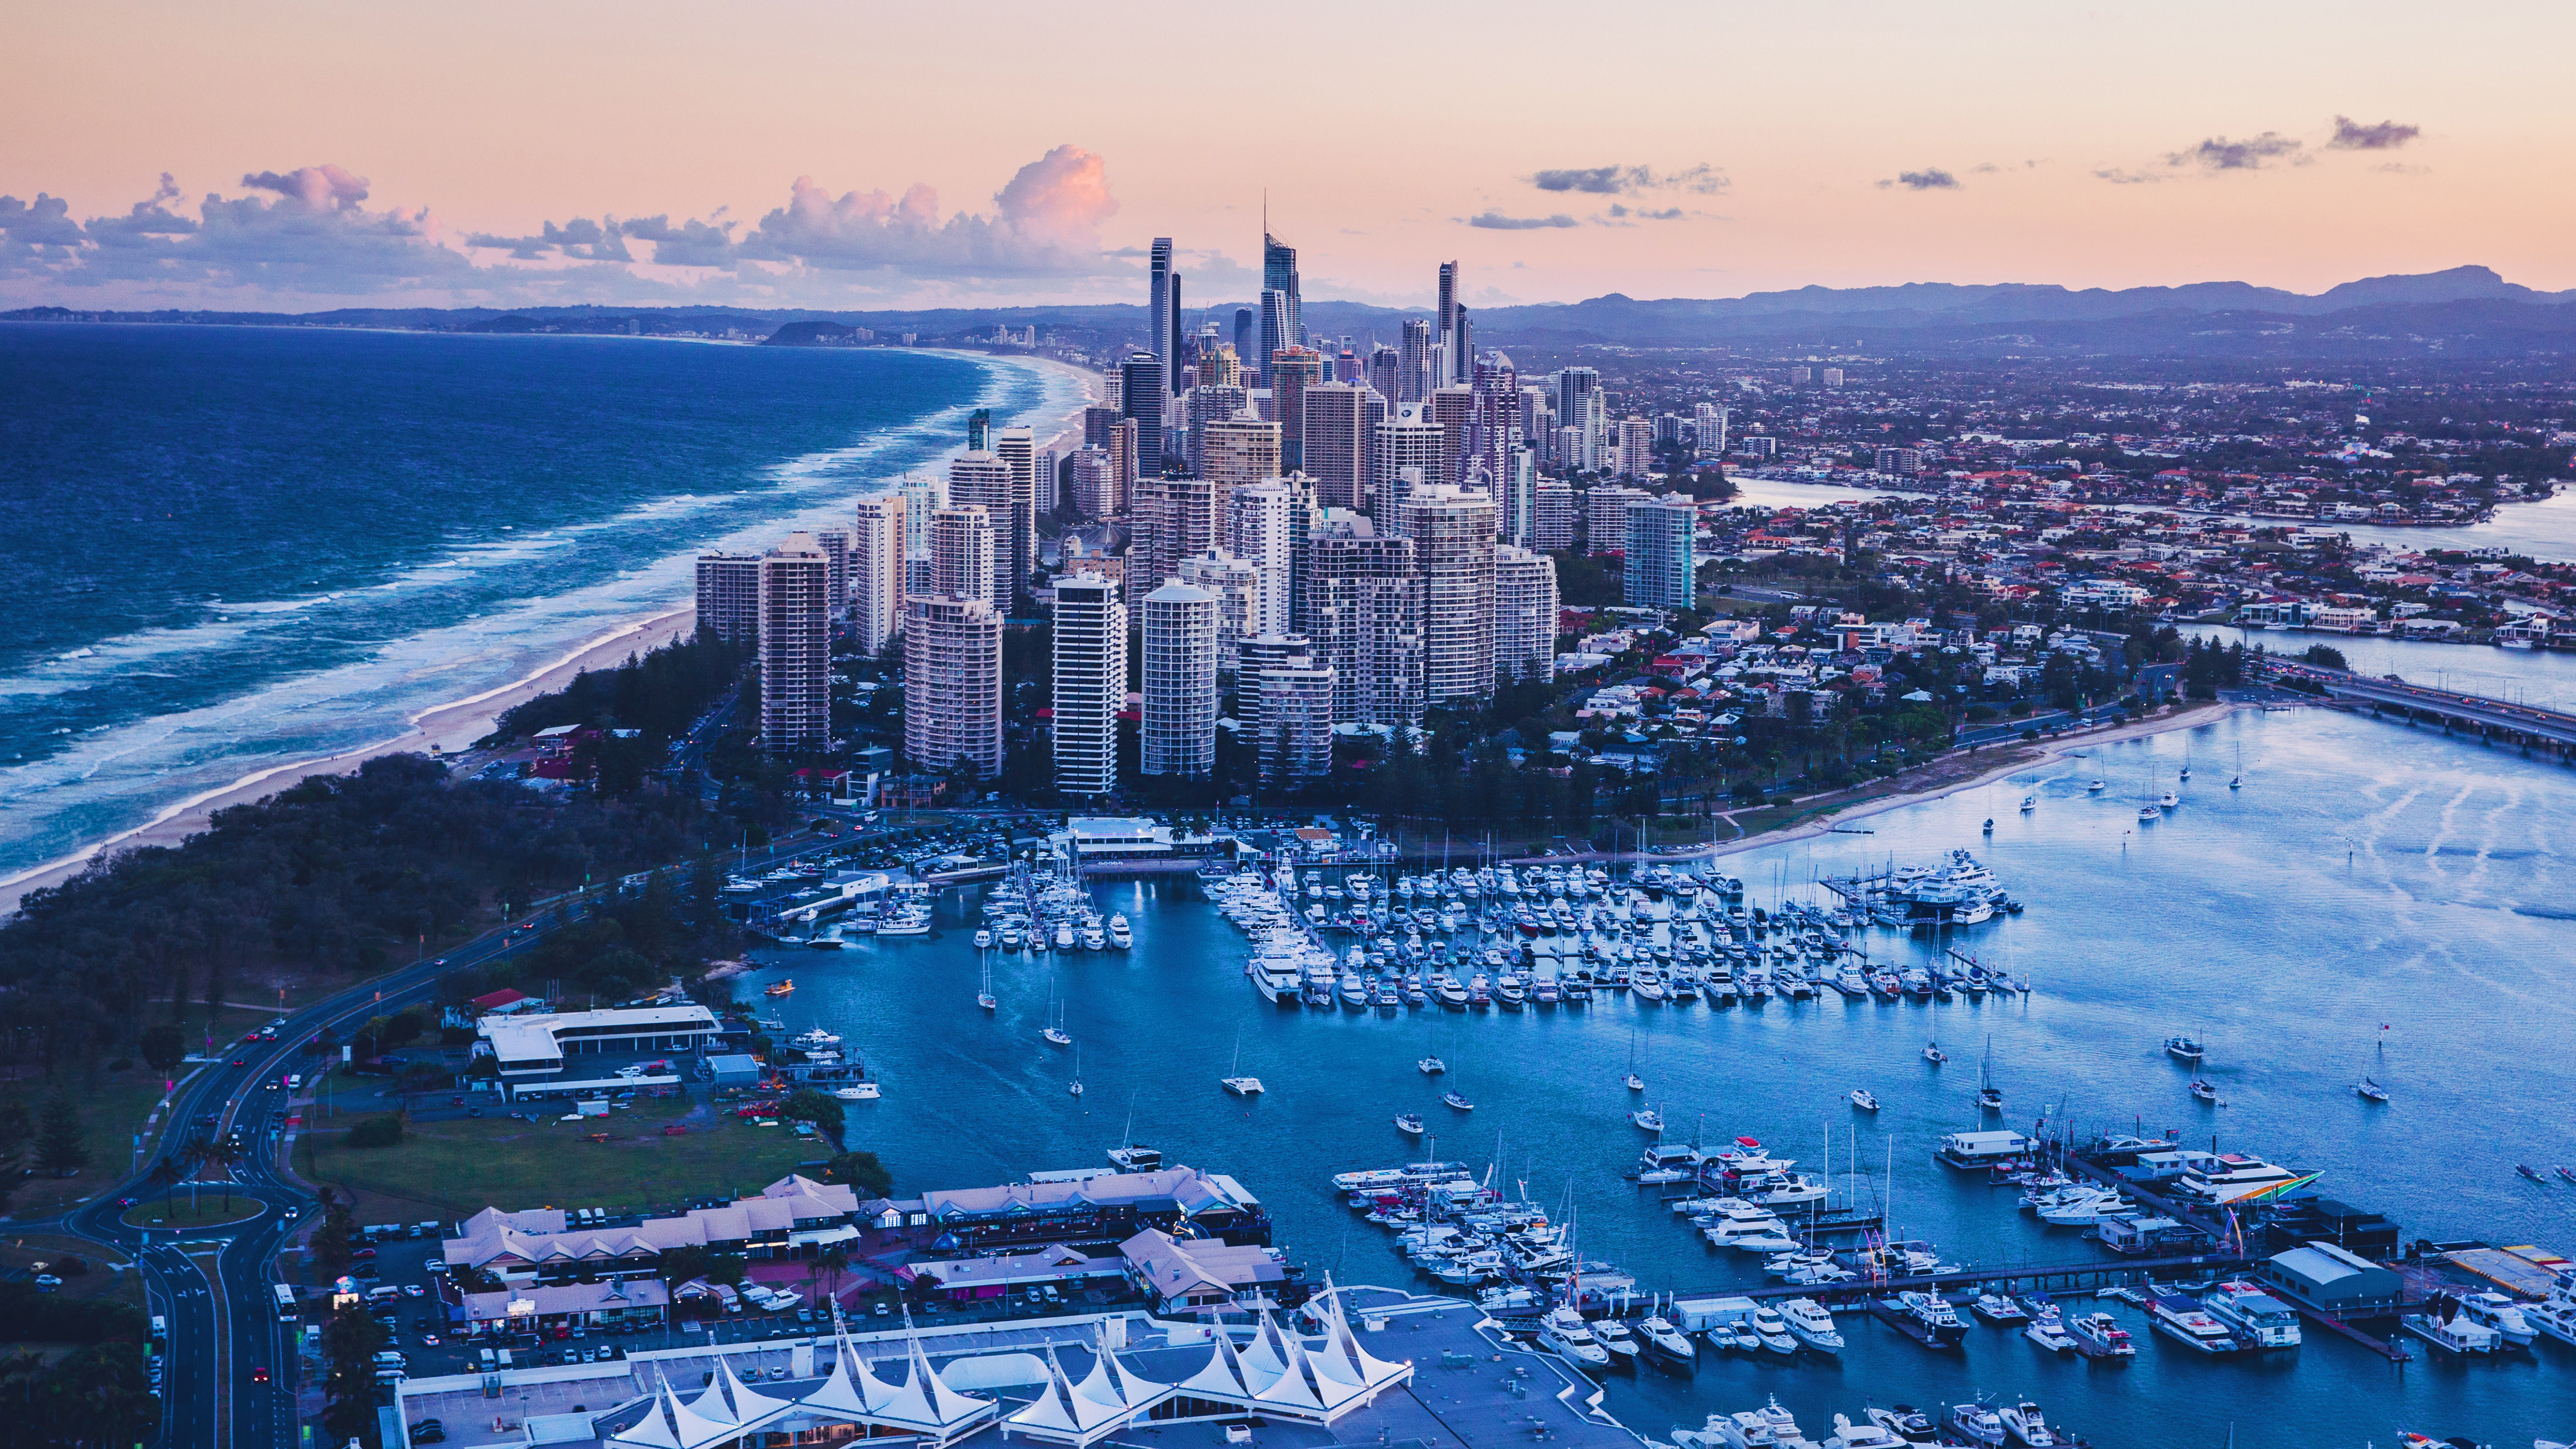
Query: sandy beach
x,y
456,725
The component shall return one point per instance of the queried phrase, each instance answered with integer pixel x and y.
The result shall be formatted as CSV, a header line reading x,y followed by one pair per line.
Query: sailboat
x,y
1635,1083
2368,1088
1990,1097
1055,1033
984,993
2237,780
1077,1072
1234,1080
2186,759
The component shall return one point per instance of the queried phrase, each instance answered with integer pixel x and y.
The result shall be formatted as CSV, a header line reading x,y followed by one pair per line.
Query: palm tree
x,y
223,1154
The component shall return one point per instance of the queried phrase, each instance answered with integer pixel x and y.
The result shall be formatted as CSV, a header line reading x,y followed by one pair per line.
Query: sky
x,y
263,155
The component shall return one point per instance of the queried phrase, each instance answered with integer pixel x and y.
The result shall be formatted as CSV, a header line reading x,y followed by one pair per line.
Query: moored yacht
x,y
1564,1333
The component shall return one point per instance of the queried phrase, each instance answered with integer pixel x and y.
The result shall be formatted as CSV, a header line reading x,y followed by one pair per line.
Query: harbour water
x,y
239,547
2364,877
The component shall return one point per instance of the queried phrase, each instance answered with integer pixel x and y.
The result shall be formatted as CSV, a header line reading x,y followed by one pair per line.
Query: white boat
x,y
2096,788
1623,1345
2500,1313
2461,1335
2099,1335
857,1092
1431,1066
2183,1320
1811,1324
1663,1338
2258,1318
1564,1333
1769,1427
1867,1435
1977,1424
1408,1123
1861,1098
1119,936
983,938
1235,1081
1648,1119
1932,1053
2023,1424
1768,1326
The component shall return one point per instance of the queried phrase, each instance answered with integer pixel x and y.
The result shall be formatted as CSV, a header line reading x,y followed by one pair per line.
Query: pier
x,y
2072,1278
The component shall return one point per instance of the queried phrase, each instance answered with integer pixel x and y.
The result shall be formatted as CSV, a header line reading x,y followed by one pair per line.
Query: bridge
x,y
2488,718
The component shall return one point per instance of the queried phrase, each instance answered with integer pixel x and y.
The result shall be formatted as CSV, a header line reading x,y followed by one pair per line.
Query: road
x,y
216,1286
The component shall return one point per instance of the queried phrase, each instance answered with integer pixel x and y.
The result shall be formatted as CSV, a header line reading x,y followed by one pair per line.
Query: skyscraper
x,y
1552,516
952,684
1461,346
979,431
1448,304
1417,370
1295,716
1206,404
1247,336
876,572
1519,487
1173,357
1579,405
1708,435
1090,685
1364,614
1452,531
1141,391
1660,571
1172,518
835,543
1179,735
1605,517
1279,275
923,494
1161,314
1408,438
729,596
1259,530
991,482
1097,491
1385,372
1525,604
1293,370
1236,586
963,545
1335,432
1017,448
1636,447
795,646
1239,449
1453,408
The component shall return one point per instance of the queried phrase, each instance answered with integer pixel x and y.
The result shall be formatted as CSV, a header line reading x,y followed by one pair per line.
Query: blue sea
x,y
2374,900
236,548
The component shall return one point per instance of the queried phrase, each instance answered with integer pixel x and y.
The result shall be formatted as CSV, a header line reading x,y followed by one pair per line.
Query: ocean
x,y
2364,877
236,547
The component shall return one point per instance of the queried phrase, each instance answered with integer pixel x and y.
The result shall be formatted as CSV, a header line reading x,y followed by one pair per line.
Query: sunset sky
x,y
858,155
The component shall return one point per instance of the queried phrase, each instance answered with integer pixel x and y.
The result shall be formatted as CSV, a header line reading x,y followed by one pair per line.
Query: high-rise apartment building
x,y
1461,346
1336,437
1708,430
1294,716
1636,447
1525,604
1261,530
1386,373
1180,638
795,646
876,572
1292,371
1409,439
1833,377
1090,683
1605,517
1017,448
1095,486
1519,488
1236,587
835,543
1661,570
1417,372
1171,518
1364,614
1900,462
1240,450
963,545
1552,516
952,684
1452,531
923,494
991,482
1247,336
1282,322
1453,408
1206,404
1580,405
729,596
1142,403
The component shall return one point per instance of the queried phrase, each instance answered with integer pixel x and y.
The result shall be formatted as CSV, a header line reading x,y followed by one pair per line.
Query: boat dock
x,y
2068,1278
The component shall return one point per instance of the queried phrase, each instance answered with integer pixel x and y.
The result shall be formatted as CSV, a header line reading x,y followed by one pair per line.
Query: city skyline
x,y
1869,147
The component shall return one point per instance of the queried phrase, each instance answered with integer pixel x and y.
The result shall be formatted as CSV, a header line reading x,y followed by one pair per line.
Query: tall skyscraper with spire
x,y
1161,313
1282,324
1446,322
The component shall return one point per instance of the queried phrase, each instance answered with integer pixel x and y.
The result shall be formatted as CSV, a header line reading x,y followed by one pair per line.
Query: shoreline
x,y
462,720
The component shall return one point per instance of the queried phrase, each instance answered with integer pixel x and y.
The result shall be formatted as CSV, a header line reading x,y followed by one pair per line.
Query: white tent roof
x,y
729,1401
1223,1376
670,1424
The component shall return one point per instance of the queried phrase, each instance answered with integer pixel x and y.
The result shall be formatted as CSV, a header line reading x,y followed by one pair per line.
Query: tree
x,y
223,1153
861,1171
350,1342
384,1131
333,1240
164,1045
61,1149
805,1104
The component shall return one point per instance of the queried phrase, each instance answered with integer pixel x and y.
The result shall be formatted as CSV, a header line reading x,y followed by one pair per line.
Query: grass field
x,y
175,1211
109,1275
112,1106
454,1169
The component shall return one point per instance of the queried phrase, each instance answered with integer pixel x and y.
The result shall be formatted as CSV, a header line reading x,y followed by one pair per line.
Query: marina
x,y
2196,910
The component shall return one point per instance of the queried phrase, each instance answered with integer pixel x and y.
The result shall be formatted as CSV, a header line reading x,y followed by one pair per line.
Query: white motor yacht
x,y
2023,1424
2493,1309
1769,1326
1663,1338
2462,1335
1866,1435
1807,1320
1977,1424
1564,1333
1769,1427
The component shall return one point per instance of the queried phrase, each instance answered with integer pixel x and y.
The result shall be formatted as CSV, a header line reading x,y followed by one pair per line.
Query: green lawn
x,y
112,1108
457,1168
175,1211
109,1275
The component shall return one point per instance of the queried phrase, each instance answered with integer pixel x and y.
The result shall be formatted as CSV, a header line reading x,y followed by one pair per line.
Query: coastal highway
x,y
215,1286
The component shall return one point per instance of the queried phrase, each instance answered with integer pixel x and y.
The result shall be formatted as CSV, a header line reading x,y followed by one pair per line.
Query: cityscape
x,y
1859,742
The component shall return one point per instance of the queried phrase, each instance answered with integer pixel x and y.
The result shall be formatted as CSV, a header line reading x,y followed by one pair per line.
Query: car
x,y
126,1202
259,1374
429,1434
428,1339
290,1214
363,1255
241,1061
47,1282
413,1290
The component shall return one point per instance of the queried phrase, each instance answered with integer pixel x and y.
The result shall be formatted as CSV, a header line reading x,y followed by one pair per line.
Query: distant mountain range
x,y
2465,311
